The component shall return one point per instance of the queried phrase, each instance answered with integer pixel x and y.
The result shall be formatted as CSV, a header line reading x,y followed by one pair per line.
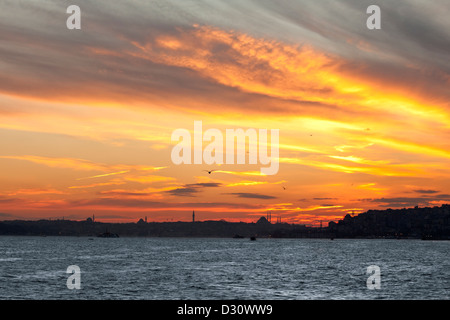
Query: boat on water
x,y
108,234
434,237
252,238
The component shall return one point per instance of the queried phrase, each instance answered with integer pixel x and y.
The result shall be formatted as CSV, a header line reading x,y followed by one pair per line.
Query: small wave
x,y
10,259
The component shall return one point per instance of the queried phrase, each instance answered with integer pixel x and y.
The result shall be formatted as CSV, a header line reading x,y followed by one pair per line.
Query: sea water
x,y
222,269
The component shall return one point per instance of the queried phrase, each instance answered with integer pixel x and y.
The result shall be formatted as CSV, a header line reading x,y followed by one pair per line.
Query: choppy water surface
x,y
186,268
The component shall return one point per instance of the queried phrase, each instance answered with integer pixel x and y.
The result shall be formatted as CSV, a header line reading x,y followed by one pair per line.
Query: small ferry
x,y
108,234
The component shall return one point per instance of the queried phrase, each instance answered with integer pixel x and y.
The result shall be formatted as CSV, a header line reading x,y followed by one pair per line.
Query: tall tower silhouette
x,y
193,216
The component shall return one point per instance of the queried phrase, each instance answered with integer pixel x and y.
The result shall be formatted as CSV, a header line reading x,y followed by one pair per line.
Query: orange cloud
x,y
379,170
78,164
101,184
246,183
105,175
276,69
81,164
35,191
241,173
294,72
149,179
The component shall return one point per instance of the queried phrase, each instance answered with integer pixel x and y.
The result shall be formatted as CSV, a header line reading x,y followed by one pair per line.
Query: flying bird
x,y
284,188
209,171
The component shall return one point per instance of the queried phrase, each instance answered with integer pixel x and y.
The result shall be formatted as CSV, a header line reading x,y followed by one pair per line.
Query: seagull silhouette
x,y
284,187
209,171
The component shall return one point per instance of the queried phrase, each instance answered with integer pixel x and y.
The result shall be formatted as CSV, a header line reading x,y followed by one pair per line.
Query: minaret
x,y
193,216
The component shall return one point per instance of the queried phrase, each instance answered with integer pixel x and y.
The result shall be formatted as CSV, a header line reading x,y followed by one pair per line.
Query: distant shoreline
x,y
413,223
213,237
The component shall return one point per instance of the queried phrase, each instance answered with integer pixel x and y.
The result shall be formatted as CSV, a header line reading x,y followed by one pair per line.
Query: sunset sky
x,y
87,115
